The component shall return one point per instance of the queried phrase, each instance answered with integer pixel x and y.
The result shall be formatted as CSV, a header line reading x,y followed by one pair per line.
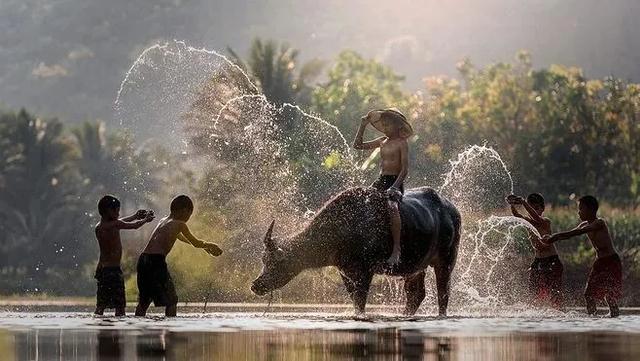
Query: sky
x,y
66,58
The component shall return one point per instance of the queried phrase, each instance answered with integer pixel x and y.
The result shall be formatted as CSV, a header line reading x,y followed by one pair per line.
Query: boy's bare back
x,y
599,237
165,235
108,236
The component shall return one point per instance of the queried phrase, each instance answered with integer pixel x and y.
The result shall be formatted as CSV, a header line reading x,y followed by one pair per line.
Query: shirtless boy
x,y
110,292
154,281
394,167
605,278
545,272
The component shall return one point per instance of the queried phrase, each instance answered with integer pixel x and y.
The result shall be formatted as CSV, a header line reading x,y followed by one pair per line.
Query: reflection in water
x,y
308,345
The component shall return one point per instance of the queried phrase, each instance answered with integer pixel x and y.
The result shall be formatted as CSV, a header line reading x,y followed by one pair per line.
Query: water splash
x,y
478,180
256,161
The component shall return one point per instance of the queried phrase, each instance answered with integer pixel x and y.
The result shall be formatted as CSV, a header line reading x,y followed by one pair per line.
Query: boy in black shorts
x,y
110,292
394,163
154,281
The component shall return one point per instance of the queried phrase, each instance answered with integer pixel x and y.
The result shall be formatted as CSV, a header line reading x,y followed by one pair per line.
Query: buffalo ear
x,y
269,243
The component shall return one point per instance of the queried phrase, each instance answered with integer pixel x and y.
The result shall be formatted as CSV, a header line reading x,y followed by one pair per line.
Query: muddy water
x,y
317,336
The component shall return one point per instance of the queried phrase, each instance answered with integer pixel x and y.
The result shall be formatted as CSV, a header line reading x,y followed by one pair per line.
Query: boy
x,y
605,278
110,292
154,281
394,163
545,272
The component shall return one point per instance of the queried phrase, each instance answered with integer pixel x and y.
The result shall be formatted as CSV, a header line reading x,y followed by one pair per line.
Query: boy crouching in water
x,y
154,281
110,292
394,163
605,278
545,272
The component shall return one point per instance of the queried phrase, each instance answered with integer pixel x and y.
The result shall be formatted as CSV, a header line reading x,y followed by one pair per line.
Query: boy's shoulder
x,y
104,224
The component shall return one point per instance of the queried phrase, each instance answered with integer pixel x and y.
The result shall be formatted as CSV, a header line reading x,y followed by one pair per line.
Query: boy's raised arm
x,y
511,200
359,144
532,212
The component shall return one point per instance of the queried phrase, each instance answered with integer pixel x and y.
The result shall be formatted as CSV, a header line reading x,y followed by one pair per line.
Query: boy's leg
x,y
591,305
171,310
99,311
396,225
120,311
614,310
141,308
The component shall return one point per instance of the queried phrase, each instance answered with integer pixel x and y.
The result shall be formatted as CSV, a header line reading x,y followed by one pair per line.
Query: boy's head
x,y
181,207
109,207
536,200
587,208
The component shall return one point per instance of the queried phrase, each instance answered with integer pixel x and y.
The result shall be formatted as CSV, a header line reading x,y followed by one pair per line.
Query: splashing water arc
x,y
258,161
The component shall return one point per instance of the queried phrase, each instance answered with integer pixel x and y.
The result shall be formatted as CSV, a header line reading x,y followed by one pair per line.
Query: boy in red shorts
x,y
605,278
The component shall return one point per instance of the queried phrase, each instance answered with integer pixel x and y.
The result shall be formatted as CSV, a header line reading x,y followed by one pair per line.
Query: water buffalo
x,y
351,232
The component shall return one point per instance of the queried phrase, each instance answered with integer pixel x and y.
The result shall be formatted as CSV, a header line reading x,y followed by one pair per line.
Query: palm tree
x,y
40,212
273,67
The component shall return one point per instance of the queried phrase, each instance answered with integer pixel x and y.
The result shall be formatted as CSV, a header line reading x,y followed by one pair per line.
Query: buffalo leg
x,y
443,276
357,285
414,290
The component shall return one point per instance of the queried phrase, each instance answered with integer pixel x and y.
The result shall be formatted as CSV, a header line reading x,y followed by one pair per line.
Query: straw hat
x,y
387,120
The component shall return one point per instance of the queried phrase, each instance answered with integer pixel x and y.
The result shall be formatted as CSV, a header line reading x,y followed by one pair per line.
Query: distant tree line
x,y
560,132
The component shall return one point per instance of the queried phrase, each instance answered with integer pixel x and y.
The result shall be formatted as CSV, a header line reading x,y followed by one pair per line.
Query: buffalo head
x,y
278,266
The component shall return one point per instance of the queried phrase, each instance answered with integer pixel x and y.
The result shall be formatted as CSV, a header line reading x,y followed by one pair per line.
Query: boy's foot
x,y
614,311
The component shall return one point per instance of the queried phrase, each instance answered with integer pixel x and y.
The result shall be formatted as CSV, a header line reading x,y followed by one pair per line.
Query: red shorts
x,y
605,279
545,281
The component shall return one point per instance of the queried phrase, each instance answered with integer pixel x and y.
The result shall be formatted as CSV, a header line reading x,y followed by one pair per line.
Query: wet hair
x,y
590,202
181,202
106,203
536,199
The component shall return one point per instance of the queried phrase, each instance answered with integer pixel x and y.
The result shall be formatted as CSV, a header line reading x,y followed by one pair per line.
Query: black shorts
x,y
110,292
154,281
385,181
545,280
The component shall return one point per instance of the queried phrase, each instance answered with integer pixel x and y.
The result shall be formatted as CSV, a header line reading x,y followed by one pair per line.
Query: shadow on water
x,y
354,344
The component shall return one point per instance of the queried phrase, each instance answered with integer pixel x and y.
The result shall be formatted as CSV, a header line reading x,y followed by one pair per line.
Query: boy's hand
x,y
212,249
394,194
548,239
149,216
141,214
514,199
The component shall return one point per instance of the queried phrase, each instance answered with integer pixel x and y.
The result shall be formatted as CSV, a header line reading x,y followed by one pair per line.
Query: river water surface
x,y
236,336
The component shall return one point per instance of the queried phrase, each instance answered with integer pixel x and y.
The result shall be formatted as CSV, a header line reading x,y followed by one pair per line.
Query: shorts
x,y
605,279
154,281
385,181
110,293
545,280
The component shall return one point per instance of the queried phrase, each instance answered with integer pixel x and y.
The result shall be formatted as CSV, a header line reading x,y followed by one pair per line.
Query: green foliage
x,y
274,68
550,124
354,86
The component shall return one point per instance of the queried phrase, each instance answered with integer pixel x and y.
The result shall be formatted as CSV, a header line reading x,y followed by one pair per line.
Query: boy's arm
x,y
535,217
120,224
581,229
140,214
186,236
404,161
359,144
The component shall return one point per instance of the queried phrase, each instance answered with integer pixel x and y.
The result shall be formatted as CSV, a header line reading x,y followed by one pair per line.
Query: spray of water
x,y
257,160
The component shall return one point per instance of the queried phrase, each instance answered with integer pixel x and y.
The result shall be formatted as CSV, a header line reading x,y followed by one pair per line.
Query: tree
x,y
274,69
41,214
354,86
